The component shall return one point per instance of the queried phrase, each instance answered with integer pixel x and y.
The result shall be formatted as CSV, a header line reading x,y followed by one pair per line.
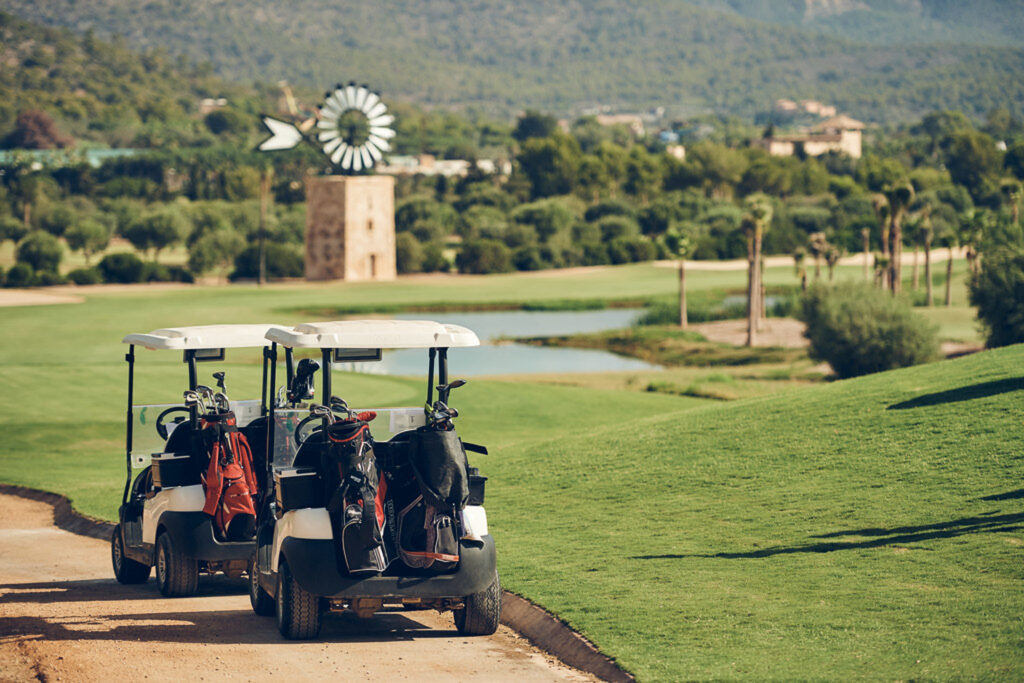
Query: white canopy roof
x,y
374,334
203,337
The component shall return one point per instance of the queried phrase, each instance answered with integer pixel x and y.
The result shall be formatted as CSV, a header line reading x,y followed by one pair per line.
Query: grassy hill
x,y
503,57
870,528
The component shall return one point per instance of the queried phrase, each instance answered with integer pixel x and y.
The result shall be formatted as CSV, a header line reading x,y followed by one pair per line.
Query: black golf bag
x,y
355,491
430,490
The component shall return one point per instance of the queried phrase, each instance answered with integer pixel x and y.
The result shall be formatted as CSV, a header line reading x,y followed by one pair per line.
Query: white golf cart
x,y
298,574
161,518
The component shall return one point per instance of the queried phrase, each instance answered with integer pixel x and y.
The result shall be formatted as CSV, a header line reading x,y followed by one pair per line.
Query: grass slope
x,y
867,528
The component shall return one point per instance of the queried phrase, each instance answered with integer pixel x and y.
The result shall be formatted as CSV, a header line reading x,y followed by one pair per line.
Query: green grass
x,y
814,533
871,528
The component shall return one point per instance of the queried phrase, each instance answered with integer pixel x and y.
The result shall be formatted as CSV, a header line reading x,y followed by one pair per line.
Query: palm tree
x,y
899,196
1011,188
925,232
799,256
818,243
679,246
832,256
865,234
755,222
881,206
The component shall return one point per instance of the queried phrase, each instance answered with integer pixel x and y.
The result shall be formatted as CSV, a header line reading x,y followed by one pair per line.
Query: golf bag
x,y
230,481
355,490
435,491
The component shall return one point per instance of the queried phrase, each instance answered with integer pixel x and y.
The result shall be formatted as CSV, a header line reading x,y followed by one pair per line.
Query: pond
x,y
509,358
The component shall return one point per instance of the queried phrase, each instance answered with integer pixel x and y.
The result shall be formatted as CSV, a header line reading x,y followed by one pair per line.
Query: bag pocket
x,y
427,538
357,555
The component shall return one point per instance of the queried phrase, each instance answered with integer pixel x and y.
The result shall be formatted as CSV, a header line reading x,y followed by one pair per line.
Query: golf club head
x,y
219,376
191,398
221,399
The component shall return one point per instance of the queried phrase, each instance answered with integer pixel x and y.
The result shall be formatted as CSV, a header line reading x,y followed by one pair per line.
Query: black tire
x,y
262,603
177,575
482,612
297,611
126,570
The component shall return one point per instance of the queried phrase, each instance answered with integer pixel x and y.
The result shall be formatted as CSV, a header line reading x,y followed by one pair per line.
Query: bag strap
x,y
474,448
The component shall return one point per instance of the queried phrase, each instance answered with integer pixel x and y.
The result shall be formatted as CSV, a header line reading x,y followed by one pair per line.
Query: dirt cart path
x,y
63,617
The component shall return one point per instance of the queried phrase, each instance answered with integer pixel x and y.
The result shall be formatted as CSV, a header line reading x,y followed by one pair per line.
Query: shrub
x,y
214,250
121,268
1,277
484,256
529,258
408,253
11,229
858,329
48,278
282,261
86,276
998,292
20,275
434,260
40,250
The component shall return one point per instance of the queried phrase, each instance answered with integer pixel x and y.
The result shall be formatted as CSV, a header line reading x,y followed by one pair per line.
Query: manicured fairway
x,y
871,528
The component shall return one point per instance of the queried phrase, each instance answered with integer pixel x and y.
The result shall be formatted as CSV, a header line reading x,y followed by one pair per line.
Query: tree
x,y
12,229
89,237
679,246
971,158
534,124
998,292
214,250
899,197
40,250
58,218
408,253
484,256
34,129
1011,189
157,230
551,164
880,203
757,219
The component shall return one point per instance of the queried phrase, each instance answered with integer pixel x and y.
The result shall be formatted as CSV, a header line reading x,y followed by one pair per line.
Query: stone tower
x,y
350,228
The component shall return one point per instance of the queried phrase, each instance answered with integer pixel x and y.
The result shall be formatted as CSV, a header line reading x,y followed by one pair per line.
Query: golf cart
x,y
182,510
356,521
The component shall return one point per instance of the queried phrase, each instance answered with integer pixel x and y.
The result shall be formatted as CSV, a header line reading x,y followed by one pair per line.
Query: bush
x,y
1,277
214,250
998,292
20,275
529,258
434,260
11,229
121,268
48,278
858,329
408,253
86,276
282,261
40,250
484,256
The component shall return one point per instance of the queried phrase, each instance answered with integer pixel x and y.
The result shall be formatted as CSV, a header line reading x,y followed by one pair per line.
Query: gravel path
x,y
63,617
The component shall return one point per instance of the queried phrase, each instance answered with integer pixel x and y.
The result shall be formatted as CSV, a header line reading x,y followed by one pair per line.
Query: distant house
x,y
211,104
427,164
836,134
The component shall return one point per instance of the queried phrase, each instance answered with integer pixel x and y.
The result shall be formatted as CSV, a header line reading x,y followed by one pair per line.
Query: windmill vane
x,y
347,151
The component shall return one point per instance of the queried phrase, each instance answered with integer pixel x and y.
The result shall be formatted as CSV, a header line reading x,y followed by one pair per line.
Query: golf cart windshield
x,y
389,422
146,440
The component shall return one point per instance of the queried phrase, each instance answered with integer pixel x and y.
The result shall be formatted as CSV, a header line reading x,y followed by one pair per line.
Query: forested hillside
x,y
104,91
504,57
977,22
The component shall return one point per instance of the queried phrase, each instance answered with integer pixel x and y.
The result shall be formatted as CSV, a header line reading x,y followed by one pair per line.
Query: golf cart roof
x,y
374,334
203,337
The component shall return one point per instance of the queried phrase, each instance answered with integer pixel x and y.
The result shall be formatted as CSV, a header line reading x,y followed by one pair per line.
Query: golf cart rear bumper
x,y
193,535
312,564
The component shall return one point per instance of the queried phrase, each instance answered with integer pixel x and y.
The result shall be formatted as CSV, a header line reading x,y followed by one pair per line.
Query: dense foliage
x,y
858,329
998,292
502,57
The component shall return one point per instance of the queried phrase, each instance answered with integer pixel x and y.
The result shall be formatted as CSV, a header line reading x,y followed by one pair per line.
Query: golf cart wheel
x,y
126,570
298,611
177,575
480,615
262,603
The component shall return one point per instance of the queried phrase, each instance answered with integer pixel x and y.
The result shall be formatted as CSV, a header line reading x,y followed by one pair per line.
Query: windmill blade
x,y
376,110
385,133
346,160
367,159
341,97
350,95
332,145
379,143
382,121
339,153
328,135
282,135
360,100
326,123
373,151
357,159
330,109
372,100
